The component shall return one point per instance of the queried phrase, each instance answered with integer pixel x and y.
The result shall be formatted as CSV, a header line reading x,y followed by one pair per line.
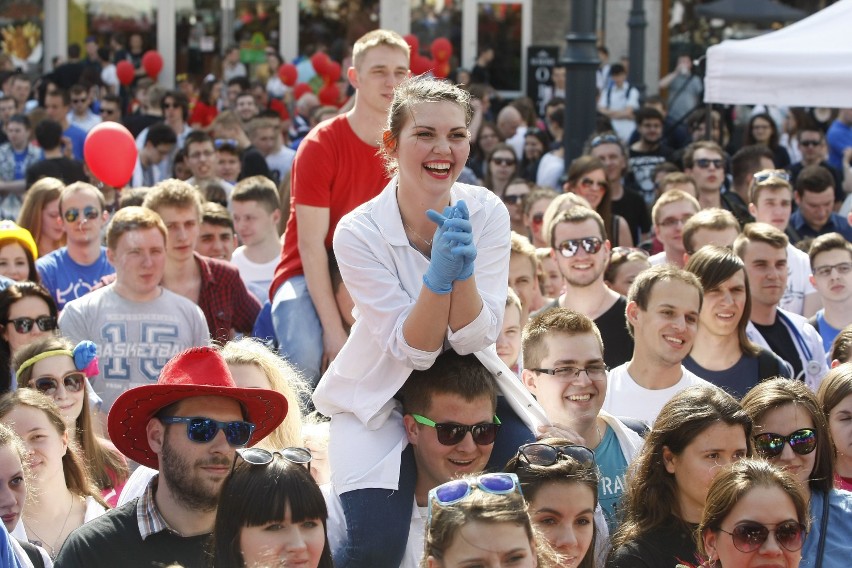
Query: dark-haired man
x,y
815,197
648,152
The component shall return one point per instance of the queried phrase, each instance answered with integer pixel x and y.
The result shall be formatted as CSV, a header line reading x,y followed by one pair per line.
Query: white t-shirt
x,y
337,528
281,161
798,281
257,277
658,259
625,397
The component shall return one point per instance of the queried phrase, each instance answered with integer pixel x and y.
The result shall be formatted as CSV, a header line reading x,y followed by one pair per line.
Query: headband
x,y
85,356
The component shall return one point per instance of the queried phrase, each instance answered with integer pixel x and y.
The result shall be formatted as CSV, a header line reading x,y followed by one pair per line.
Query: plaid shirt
x,y
7,161
147,515
224,299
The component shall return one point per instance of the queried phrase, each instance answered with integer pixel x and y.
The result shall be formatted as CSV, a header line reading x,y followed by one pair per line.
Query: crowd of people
x,y
427,341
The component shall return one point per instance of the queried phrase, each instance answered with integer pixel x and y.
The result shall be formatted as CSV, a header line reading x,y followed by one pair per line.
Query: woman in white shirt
x,y
416,288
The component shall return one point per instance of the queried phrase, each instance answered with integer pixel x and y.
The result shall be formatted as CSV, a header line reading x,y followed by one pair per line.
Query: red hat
x,y
199,371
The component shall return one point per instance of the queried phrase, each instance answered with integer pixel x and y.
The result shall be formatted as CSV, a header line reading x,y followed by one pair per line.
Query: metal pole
x,y
637,24
581,63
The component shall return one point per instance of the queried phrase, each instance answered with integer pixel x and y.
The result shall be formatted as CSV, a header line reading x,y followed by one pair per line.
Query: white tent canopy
x,y
808,63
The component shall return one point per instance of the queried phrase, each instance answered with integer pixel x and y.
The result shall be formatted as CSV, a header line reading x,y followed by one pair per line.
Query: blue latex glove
x,y
467,250
444,266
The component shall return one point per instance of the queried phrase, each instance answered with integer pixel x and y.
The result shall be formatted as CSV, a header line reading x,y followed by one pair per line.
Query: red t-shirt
x,y
278,106
334,169
203,114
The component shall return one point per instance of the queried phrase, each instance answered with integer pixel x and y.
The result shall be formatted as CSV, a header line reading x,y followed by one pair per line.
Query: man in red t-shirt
x,y
337,168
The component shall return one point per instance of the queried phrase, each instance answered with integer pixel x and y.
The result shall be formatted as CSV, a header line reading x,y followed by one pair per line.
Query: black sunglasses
x,y
25,325
450,434
750,536
811,143
203,430
569,248
89,212
73,382
770,445
503,161
546,455
705,163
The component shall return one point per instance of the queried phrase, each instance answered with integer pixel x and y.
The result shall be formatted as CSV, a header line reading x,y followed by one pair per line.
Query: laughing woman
x,y
420,280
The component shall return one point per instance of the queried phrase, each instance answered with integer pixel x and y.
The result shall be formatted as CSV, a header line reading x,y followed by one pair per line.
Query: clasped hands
x,y
453,249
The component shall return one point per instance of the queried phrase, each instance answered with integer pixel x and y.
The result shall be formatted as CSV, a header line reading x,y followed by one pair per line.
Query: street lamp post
x,y
581,64
637,24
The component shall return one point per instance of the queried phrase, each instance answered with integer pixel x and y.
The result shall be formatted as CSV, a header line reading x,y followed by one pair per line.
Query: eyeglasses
x,y
260,456
750,536
770,445
546,455
503,161
764,175
538,219
810,143
826,270
588,183
202,430
570,247
604,139
670,222
220,142
73,382
596,373
89,212
25,325
705,163
199,155
458,489
450,434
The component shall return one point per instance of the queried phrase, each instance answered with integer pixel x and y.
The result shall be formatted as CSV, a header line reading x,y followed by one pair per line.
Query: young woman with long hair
x,y
587,178
40,215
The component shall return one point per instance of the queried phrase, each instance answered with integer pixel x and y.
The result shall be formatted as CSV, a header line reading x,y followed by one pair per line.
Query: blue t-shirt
x,y
78,139
20,163
825,330
612,466
66,280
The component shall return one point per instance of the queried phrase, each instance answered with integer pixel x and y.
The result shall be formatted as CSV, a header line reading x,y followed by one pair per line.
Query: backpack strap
x,y
767,365
32,553
636,425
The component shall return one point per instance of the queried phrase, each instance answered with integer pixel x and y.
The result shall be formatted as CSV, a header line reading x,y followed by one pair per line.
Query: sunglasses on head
x,y
705,163
260,456
569,248
458,489
503,161
25,325
765,175
89,212
221,142
546,455
203,430
73,382
450,434
770,445
604,139
750,536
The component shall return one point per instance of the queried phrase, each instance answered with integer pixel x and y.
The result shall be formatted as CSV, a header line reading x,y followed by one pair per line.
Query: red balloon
x,y
125,72
288,74
110,152
152,62
421,64
332,71
441,49
320,62
442,70
413,43
329,94
301,89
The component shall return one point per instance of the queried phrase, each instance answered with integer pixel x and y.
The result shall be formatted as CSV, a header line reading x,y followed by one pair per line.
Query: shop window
x,y
133,23
21,25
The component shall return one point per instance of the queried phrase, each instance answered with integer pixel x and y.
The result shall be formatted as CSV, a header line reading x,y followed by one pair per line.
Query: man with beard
x,y
648,152
581,250
188,426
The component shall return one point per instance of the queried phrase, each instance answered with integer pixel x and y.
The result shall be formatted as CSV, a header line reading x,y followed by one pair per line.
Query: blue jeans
x,y
378,520
297,328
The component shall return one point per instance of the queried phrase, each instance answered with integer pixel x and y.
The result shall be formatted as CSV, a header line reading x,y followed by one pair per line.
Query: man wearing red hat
x,y
188,426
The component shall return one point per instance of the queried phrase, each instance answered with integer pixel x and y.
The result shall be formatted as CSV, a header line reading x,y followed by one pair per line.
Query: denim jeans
x,y
297,328
378,520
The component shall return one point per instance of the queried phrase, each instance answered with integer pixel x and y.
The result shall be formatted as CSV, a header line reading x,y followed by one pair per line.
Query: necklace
x,y
42,542
407,226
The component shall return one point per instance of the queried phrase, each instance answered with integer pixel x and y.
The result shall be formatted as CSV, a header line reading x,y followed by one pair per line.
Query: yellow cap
x,y
10,230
